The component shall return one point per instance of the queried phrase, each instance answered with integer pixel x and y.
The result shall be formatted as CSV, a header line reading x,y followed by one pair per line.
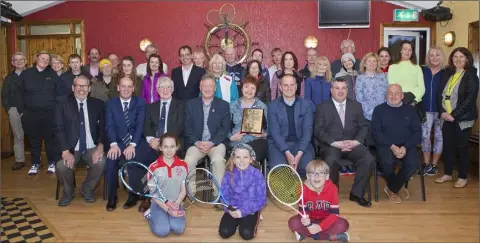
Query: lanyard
x,y
452,83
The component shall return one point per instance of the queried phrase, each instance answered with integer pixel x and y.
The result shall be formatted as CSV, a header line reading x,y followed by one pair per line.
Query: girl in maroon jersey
x,y
320,196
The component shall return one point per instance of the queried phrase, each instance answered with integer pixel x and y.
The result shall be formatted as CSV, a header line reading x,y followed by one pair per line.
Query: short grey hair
x,y
344,42
165,80
82,77
18,54
151,46
208,76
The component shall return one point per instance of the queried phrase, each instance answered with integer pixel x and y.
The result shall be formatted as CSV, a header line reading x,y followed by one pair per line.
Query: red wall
x,y
119,26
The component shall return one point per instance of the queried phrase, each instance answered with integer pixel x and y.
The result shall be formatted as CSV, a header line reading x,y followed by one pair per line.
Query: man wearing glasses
x,y
8,100
79,128
186,78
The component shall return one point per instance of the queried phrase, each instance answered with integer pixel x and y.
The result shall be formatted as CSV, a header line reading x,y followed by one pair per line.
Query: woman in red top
x,y
320,197
385,58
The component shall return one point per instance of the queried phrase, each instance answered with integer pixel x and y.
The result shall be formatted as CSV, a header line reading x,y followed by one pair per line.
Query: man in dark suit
x,y
186,78
341,129
165,115
207,123
124,121
79,128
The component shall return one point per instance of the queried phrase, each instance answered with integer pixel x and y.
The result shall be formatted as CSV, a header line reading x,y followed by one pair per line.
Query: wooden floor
x,y
448,215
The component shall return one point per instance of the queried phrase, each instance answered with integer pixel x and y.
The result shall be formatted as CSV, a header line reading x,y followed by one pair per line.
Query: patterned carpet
x,y
20,222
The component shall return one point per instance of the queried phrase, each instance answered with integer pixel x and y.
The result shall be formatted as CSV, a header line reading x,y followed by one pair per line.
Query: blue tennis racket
x,y
141,181
205,189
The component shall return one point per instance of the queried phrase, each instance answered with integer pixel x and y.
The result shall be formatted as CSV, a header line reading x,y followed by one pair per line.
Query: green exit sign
x,y
405,15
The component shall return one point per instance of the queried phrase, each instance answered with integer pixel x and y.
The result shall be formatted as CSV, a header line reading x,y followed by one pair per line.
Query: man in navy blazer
x,y
186,78
207,123
125,117
79,124
290,123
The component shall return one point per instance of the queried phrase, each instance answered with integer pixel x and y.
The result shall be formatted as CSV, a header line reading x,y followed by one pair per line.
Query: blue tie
x,y
128,138
83,133
161,123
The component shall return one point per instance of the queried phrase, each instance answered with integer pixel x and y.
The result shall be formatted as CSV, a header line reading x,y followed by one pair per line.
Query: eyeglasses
x,y
166,87
317,174
78,86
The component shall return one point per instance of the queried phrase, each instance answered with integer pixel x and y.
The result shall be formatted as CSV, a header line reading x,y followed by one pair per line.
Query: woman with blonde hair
x,y
432,75
57,64
226,87
371,87
317,86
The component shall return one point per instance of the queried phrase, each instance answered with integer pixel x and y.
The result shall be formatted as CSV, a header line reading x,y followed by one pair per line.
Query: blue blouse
x,y
236,111
370,92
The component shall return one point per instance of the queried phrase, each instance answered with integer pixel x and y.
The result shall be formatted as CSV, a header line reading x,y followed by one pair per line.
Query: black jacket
x,y
37,89
192,90
466,109
8,91
67,124
64,87
175,118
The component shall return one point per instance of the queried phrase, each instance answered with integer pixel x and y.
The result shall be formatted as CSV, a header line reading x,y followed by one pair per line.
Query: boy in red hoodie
x,y
320,197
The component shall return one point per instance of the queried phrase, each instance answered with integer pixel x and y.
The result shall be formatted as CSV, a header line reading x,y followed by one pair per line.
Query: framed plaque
x,y
252,120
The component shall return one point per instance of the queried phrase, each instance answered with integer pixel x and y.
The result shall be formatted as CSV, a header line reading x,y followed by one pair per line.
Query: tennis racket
x,y
205,189
137,181
286,186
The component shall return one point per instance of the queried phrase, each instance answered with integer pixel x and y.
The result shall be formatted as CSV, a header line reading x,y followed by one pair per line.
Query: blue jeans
x,y
276,157
161,223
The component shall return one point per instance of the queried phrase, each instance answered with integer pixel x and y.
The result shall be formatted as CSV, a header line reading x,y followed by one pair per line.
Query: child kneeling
x,y
320,198
170,173
243,186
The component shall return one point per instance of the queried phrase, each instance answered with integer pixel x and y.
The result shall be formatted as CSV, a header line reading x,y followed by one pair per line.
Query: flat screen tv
x,y
343,14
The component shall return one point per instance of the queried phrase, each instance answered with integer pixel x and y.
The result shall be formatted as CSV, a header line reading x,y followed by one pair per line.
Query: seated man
x,y
340,129
397,131
79,129
124,122
290,122
207,123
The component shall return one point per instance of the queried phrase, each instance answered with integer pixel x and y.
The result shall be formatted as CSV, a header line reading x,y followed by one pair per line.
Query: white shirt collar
x,y
187,68
337,104
79,101
128,101
168,101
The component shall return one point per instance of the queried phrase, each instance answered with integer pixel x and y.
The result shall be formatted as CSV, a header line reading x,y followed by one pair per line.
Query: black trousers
x,y
247,226
38,125
260,146
455,140
410,163
363,160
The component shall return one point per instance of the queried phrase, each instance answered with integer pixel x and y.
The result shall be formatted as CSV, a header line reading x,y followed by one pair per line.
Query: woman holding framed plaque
x,y
249,117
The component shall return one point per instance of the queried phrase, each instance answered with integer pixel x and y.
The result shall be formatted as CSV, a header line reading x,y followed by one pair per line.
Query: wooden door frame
x,y
9,45
8,27
432,26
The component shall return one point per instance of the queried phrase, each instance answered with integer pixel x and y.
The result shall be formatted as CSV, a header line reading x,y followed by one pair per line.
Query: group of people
x,y
109,111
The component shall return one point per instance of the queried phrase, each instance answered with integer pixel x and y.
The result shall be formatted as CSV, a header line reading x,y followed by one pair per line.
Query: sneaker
x,y
299,236
343,237
433,170
51,169
426,168
34,170
18,165
343,171
350,170
147,214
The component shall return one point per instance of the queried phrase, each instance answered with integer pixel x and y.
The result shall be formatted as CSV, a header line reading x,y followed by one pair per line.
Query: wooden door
x,y
60,45
473,46
4,68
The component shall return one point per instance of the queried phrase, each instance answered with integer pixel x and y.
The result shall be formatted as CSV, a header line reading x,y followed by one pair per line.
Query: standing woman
x,y
432,75
348,73
127,70
289,64
456,98
317,86
154,72
226,88
407,73
57,64
385,58
263,88
371,88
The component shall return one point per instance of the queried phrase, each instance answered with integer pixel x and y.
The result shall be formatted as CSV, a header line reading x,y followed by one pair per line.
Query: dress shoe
x,y
361,201
112,204
65,200
144,205
131,201
18,165
88,196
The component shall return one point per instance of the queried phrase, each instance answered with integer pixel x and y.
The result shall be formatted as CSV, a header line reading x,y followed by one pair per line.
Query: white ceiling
x,y
27,7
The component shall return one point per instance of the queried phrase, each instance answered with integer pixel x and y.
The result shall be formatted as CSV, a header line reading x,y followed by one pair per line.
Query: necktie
x,y
128,138
342,114
83,134
161,123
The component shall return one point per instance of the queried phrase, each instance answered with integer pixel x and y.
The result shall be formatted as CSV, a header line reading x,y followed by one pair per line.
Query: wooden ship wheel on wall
x,y
226,28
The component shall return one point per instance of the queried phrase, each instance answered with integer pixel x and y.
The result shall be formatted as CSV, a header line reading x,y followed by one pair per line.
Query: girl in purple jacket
x,y
243,187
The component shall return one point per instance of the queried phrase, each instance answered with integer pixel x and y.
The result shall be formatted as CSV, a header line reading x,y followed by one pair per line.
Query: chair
x,y
422,179
57,192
